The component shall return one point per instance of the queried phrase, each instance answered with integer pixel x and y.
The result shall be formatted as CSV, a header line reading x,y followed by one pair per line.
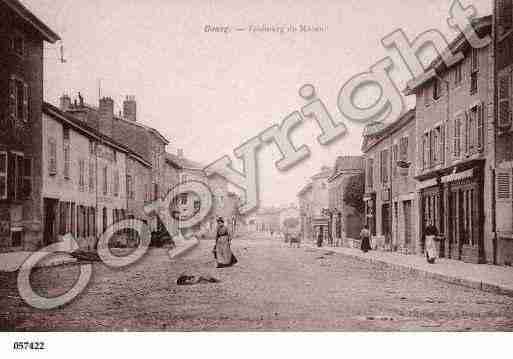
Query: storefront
x,y
370,212
321,230
452,201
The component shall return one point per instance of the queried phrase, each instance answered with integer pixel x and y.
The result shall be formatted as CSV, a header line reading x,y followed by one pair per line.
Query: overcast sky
x,y
210,92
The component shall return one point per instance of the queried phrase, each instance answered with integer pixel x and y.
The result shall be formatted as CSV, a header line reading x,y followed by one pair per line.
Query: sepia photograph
x,y
243,167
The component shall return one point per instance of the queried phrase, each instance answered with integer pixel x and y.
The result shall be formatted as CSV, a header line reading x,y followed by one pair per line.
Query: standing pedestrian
x,y
222,249
365,239
431,252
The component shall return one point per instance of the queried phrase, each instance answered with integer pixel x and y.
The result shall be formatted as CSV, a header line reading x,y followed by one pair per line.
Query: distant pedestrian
x,y
222,250
365,238
431,252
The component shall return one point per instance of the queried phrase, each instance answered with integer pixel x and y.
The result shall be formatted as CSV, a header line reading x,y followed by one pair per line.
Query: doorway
x,y
50,223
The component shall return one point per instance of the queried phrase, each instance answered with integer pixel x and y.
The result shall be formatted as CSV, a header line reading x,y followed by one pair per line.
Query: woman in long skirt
x,y
222,250
365,238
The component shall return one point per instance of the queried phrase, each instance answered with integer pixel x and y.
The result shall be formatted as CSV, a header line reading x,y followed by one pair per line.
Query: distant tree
x,y
353,192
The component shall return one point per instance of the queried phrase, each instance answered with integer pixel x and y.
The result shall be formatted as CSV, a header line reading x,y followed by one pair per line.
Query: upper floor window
x,y
183,198
81,175
92,176
474,70
130,192
403,149
3,175
433,144
17,45
395,158
437,89
19,99
116,184
66,152
426,96
92,147
457,137
105,180
474,136
52,157
384,166
370,173
504,15
458,76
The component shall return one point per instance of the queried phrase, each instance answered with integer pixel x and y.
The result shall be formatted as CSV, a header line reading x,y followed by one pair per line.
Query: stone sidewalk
x,y
489,278
12,261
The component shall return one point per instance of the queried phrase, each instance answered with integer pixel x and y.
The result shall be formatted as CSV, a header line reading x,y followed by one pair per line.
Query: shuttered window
x,y
457,138
3,175
105,180
92,176
384,166
52,157
19,97
370,173
81,175
116,183
27,178
503,185
504,101
481,128
403,149
504,9
395,158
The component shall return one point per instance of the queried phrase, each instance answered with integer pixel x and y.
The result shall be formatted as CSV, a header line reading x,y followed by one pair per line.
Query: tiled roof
x,y
183,162
89,131
47,33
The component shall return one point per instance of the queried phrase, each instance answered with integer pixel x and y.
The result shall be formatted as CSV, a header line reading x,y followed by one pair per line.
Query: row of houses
x,y
448,162
271,220
77,168
331,205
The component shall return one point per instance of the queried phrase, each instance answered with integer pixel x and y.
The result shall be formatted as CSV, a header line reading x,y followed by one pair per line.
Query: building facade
x,y
125,129
313,204
305,211
346,220
455,135
187,204
503,191
22,36
390,188
84,179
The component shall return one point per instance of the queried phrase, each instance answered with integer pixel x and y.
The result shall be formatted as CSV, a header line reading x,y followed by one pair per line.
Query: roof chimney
x,y
180,153
130,109
65,103
106,114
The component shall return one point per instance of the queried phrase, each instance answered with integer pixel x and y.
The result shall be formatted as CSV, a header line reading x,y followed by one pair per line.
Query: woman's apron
x,y
223,251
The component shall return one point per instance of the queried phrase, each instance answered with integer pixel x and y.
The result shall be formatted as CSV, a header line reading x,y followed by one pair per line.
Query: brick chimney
x,y
130,109
64,103
106,114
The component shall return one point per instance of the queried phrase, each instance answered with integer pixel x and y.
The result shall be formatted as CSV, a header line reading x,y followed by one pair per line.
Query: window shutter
x,y
466,134
441,155
481,127
52,157
504,102
27,177
506,17
456,131
26,103
503,185
12,98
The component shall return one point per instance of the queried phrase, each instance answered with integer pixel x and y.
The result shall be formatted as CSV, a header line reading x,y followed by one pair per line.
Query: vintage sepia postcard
x,y
239,166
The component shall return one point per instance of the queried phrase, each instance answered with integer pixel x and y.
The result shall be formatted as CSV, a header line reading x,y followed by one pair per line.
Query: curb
x,y
468,283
